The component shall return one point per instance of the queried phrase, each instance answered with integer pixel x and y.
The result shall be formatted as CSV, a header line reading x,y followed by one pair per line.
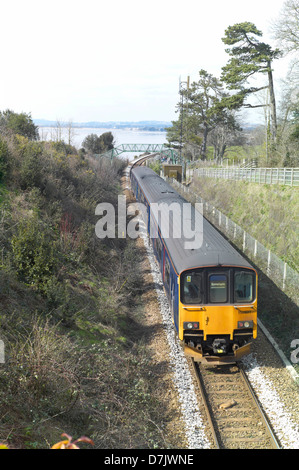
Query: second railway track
x,y
233,412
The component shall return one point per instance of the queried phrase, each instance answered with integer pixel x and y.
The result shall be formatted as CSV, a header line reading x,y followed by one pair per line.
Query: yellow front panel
x,y
217,320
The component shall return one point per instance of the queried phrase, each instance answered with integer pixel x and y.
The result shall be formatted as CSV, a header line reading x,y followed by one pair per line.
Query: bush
x,y
22,124
32,168
4,156
33,253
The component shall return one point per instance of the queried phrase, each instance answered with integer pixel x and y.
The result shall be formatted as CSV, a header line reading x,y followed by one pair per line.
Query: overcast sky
x,y
115,60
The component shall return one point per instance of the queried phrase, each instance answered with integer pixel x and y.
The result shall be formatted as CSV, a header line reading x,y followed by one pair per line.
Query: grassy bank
x,y
268,213
71,314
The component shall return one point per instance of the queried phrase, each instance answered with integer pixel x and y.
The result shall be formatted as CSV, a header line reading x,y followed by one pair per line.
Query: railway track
x,y
235,417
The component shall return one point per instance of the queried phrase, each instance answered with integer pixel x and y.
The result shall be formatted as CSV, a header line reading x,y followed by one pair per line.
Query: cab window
x,y
243,287
218,288
192,288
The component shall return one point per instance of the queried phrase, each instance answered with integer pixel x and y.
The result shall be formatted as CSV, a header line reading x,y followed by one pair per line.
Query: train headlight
x,y
245,324
188,325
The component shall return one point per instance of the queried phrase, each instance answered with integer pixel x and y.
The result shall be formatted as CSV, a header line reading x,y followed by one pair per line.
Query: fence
x,y
276,269
284,176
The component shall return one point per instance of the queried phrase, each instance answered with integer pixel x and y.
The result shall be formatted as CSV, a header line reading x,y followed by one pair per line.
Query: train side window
x,y
167,272
159,248
192,288
218,288
243,287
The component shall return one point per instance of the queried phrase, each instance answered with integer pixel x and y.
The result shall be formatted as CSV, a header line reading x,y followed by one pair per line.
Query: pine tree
x,y
249,57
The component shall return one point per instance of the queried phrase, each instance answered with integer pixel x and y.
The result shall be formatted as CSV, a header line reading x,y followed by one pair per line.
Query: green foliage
x,y
63,148
295,134
33,253
98,144
21,124
156,166
204,109
4,158
248,57
31,165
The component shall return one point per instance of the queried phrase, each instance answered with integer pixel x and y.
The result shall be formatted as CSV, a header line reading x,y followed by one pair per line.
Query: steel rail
x,y
205,403
262,414
202,389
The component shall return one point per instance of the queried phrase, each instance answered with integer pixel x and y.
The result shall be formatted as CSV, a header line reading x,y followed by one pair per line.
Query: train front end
x,y
218,313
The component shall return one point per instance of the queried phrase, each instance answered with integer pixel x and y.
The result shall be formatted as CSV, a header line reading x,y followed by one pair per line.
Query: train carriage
x,y
212,289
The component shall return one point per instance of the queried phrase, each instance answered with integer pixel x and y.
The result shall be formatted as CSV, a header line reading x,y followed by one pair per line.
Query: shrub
x,y
21,124
33,253
4,155
31,170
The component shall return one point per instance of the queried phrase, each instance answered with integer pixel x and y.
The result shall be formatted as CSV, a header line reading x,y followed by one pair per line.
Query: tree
x,y
98,144
227,133
249,57
21,124
202,112
286,31
204,96
286,28
185,131
106,141
56,132
70,132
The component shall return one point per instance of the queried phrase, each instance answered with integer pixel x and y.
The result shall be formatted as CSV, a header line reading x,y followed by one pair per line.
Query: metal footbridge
x,y
162,149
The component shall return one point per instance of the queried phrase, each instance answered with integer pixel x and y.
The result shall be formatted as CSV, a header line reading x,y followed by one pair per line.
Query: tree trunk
x,y
222,151
272,104
204,142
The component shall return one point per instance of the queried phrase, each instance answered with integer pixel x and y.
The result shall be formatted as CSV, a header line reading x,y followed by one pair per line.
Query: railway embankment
x,y
269,213
75,355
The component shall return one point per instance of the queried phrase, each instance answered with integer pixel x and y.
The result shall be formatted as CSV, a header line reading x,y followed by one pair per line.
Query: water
x,y
121,136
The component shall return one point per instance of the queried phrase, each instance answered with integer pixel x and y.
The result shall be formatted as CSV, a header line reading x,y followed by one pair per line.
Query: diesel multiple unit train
x,y
211,288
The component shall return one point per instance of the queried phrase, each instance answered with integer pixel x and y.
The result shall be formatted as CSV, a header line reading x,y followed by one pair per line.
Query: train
x,y
211,288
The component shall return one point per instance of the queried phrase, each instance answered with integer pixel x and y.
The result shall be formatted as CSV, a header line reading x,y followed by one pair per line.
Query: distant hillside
x,y
142,125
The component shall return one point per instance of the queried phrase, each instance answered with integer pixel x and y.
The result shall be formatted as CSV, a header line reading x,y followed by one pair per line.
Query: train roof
x,y
214,250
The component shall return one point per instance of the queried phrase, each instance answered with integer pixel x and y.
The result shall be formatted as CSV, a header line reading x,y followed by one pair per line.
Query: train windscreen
x,y
212,285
